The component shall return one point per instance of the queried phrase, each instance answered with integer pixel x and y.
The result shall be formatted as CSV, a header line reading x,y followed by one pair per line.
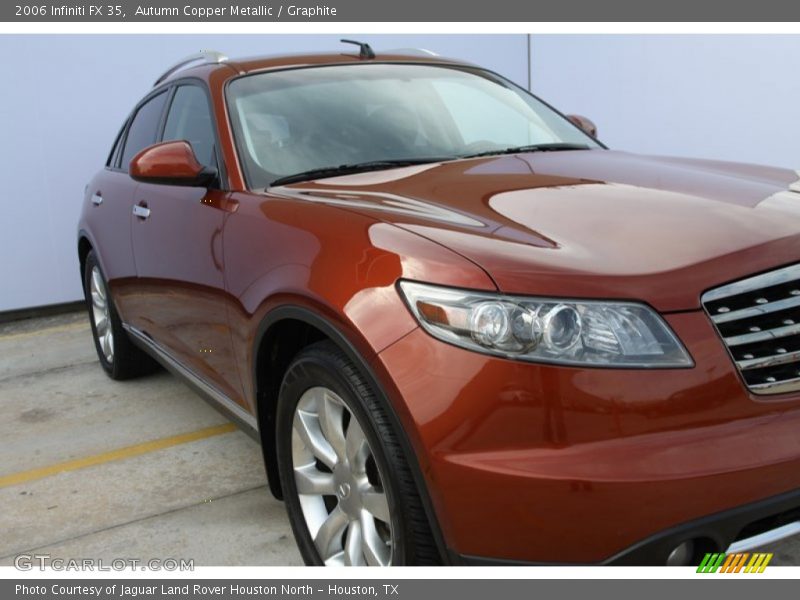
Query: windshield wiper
x,y
554,147
349,169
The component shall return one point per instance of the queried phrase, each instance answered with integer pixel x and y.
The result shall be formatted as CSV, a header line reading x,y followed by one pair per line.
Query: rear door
x,y
112,193
178,251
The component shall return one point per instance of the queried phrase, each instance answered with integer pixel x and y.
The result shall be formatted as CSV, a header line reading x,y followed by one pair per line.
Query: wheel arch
x,y
269,365
85,246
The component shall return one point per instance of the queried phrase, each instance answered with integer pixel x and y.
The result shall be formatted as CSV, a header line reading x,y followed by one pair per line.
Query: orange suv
x,y
461,328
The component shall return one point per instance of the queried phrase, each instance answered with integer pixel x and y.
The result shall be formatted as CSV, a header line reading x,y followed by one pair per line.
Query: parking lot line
x,y
118,454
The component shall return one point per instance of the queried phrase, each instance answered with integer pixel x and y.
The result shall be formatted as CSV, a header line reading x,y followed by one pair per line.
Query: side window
x,y
144,128
114,154
189,119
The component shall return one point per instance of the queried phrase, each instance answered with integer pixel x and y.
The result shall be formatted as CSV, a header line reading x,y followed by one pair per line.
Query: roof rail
x,y
206,56
411,51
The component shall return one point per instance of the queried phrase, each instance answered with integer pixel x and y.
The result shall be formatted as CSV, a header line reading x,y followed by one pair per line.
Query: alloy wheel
x,y
101,315
339,484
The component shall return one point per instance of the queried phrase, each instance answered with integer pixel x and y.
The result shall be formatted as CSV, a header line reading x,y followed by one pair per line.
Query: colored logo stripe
x,y
734,563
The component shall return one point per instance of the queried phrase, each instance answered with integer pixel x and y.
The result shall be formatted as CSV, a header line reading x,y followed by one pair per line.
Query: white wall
x,y
63,100
731,97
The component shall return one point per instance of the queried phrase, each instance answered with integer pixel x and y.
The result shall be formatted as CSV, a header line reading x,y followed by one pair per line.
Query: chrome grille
x,y
759,320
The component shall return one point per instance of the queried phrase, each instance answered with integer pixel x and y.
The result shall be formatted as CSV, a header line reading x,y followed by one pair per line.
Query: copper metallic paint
x,y
172,160
522,461
584,123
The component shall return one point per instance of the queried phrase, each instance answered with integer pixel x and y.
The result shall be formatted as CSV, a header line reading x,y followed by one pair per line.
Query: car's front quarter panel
x,y
337,264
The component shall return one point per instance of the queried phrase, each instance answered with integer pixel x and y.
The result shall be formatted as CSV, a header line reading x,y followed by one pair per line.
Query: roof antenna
x,y
365,49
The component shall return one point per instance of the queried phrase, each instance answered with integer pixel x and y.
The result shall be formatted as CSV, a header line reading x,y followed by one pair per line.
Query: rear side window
x,y
114,154
143,129
189,119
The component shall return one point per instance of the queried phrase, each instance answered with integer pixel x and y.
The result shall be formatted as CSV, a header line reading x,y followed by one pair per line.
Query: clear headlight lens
x,y
572,332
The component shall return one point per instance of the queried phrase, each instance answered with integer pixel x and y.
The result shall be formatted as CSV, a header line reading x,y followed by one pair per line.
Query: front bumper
x,y
738,530
545,464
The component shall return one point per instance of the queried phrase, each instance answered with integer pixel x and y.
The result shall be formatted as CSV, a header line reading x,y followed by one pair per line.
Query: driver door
x,y
177,242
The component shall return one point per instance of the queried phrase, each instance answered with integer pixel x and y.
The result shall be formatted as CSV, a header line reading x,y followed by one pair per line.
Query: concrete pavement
x,y
204,499
93,468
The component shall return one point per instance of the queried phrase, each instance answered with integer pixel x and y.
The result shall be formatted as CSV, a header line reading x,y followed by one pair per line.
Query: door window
x,y
143,129
190,119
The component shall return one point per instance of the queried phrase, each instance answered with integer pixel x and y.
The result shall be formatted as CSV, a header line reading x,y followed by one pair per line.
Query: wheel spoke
x,y
353,550
377,552
356,449
97,281
329,537
100,323
377,505
98,301
107,345
310,480
331,420
307,427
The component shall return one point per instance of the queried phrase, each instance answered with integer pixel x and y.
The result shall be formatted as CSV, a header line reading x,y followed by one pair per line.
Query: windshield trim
x,y
426,63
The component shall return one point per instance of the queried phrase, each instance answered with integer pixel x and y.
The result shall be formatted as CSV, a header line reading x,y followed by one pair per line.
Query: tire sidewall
x,y
315,370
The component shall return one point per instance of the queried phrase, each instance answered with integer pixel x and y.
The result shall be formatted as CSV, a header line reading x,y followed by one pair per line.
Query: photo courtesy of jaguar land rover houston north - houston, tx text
x,y
463,330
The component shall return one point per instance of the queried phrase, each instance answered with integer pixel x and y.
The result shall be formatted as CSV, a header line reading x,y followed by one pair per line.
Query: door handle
x,y
97,199
214,237
141,210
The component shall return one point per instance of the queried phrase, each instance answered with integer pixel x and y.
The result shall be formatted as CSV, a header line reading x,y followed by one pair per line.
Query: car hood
x,y
594,223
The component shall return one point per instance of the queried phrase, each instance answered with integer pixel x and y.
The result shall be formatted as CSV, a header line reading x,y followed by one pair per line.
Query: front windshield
x,y
293,121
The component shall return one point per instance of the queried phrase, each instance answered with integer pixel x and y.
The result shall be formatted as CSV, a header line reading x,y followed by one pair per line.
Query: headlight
x,y
571,332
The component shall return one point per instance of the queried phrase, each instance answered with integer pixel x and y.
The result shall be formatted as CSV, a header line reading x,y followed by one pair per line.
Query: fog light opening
x,y
681,555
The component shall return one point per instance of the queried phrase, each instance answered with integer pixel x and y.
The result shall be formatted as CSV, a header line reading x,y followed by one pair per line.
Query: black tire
x,y
324,365
127,360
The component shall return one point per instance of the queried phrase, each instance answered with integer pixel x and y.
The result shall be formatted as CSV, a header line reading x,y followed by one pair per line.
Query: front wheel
x,y
349,492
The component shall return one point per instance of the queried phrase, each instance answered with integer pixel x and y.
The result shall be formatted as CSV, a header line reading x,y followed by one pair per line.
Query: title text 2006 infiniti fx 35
x,y
462,329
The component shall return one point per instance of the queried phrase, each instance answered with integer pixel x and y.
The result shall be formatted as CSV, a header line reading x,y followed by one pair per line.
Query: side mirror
x,y
171,163
586,124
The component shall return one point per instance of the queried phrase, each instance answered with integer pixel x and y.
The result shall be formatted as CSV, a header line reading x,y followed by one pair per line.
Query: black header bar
x,y
403,11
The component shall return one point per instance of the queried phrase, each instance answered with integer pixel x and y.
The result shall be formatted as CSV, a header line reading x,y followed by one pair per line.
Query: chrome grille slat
x,y
753,283
758,319
762,336
755,311
778,387
769,361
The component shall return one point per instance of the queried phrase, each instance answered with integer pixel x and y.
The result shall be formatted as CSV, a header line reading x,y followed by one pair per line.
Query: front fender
x,y
339,265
